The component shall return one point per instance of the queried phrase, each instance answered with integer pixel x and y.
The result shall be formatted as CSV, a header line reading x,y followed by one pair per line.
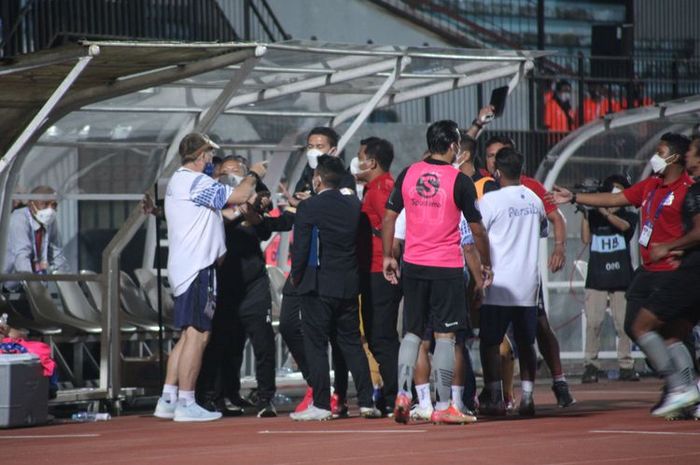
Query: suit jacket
x,y
324,255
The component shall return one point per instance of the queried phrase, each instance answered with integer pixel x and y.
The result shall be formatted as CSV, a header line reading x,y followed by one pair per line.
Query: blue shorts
x,y
494,321
196,306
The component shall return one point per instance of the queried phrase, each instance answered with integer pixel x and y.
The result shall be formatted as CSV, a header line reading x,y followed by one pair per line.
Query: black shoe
x,y
527,406
492,404
266,409
228,408
561,392
590,375
628,374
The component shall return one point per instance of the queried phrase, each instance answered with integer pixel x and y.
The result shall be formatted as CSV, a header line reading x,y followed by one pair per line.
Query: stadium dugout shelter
x,y
620,142
101,123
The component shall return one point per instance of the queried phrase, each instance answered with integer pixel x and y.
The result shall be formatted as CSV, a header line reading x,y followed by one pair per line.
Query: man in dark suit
x,y
325,275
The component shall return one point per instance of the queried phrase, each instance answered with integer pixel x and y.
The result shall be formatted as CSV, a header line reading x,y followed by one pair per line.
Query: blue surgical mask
x,y
208,169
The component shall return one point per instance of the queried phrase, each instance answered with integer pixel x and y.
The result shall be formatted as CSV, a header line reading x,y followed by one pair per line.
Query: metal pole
x,y
46,109
161,365
401,63
540,25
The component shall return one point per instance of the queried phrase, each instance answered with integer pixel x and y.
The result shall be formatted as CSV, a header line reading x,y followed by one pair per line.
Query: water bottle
x,y
84,417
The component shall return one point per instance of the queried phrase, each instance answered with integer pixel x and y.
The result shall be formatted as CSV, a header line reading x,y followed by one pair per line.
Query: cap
x,y
195,142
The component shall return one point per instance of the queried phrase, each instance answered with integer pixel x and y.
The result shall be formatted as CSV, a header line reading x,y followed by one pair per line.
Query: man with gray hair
x,y
193,205
34,245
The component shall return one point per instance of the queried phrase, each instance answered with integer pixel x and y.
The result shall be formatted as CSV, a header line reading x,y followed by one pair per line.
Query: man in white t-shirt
x,y
193,209
515,220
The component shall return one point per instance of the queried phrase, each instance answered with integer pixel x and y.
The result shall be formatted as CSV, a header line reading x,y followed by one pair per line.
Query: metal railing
x,y
31,25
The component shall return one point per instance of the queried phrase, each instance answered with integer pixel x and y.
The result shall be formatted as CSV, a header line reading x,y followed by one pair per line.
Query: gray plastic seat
x,y
77,304
148,280
95,292
44,310
17,320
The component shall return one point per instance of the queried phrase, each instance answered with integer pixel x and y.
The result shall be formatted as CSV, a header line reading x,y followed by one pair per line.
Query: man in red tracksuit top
x,y
435,195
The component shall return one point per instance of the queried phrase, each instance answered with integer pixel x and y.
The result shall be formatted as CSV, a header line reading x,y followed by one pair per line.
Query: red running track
x,y
609,425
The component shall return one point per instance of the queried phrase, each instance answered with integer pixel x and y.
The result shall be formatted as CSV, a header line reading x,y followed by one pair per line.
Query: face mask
x,y
312,157
208,169
658,163
228,179
45,216
615,190
458,163
565,96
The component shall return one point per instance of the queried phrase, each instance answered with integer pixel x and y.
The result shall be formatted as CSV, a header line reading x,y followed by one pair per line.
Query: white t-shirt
x,y
196,238
400,226
515,220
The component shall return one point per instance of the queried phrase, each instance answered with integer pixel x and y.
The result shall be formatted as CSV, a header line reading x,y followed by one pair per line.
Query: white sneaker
x,y
165,409
312,413
674,401
418,413
194,412
370,412
696,412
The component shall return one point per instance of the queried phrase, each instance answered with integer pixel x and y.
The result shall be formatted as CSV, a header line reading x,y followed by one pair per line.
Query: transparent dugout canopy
x,y
618,143
100,122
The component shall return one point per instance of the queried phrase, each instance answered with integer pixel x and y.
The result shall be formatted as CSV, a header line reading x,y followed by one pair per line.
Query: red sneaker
x,y
402,408
339,407
306,402
451,416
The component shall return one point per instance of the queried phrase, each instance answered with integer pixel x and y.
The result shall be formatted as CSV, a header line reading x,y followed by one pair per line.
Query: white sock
x,y
561,377
527,387
442,405
457,393
186,396
169,392
424,399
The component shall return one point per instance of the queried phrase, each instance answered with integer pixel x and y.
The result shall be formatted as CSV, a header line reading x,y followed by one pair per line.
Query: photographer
x,y
244,310
608,232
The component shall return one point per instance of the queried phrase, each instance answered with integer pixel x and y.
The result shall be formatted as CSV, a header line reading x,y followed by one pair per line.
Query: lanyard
x,y
650,199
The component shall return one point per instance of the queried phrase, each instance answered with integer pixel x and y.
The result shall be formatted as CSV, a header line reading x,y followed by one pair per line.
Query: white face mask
x,y
615,190
312,157
458,163
355,167
565,96
45,216
658,163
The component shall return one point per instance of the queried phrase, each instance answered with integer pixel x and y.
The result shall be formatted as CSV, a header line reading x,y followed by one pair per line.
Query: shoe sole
x,y
164,416
671,412
312,419
267,415
446,422
195,420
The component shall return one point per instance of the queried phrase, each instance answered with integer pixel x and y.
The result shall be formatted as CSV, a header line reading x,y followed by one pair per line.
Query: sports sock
x,y
169,392
408,354
561,377
186,396
527,387
660,358
457,393
682,362
424,400
443,370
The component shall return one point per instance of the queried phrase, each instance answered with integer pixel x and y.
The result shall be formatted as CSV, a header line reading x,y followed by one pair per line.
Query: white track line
x,y
50,436
345,431
659,433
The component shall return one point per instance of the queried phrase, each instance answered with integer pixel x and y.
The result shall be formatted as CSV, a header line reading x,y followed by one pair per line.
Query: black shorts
x,y
496,318
540,302
196,306
441,301
677,295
